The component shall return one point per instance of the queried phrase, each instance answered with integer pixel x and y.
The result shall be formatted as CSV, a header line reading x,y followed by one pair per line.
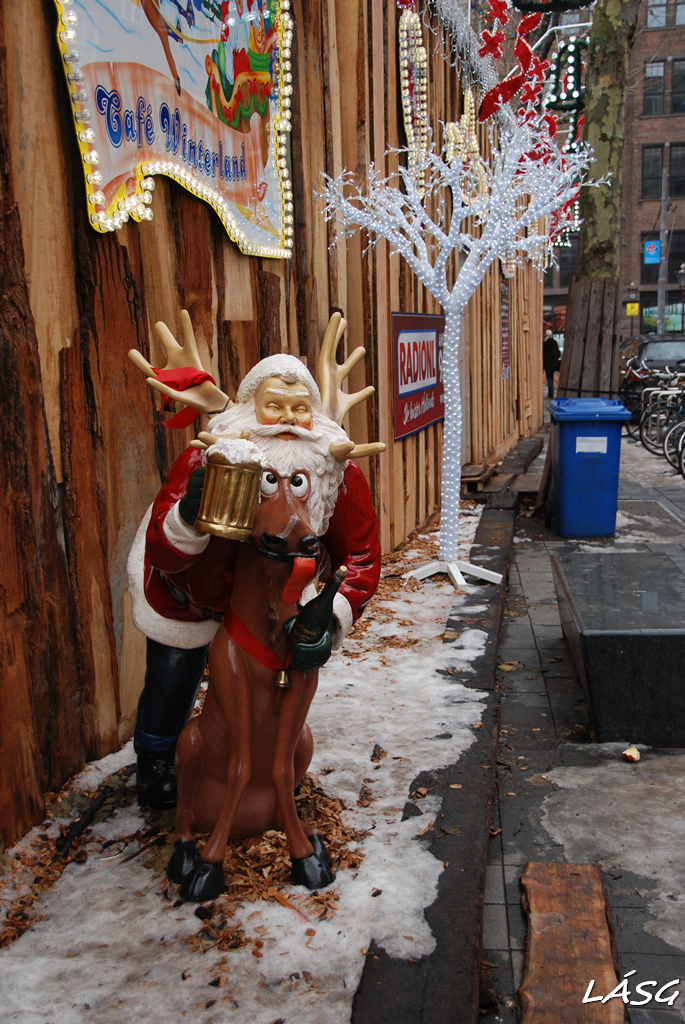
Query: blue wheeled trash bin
x,y
585,460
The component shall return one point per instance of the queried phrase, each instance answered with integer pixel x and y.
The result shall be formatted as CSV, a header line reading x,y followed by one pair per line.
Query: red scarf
x,y
181,379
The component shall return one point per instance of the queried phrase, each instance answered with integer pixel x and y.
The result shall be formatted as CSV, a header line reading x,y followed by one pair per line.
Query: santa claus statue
x,y
181,579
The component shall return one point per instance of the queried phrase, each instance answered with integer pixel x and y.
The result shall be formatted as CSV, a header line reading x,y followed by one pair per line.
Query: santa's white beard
x,y
308,450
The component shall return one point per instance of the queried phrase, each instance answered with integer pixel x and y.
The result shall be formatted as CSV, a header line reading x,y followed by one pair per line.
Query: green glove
x,y
189,505
310,657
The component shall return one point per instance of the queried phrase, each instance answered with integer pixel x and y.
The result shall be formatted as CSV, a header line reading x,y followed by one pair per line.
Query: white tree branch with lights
x,y
479,209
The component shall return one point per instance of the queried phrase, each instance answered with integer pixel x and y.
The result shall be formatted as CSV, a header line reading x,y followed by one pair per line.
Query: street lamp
x,y
681,284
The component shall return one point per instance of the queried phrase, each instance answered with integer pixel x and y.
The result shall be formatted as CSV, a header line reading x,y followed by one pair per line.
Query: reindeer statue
x,y
238,763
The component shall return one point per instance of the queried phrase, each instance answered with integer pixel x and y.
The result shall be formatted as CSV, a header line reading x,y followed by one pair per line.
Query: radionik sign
x,y
417,371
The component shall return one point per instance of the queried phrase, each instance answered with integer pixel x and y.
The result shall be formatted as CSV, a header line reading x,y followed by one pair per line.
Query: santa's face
x,y
289,405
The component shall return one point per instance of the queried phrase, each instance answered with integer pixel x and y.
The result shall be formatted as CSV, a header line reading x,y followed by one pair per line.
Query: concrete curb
x,y
443,988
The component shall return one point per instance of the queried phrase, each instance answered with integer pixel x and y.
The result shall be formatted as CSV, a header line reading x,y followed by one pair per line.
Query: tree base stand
x,y
454,570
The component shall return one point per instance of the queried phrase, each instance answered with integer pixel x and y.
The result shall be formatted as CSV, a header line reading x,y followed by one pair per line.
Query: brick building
x,y
654,139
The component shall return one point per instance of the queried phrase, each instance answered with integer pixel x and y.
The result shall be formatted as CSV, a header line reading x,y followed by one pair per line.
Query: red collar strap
x,y
239,632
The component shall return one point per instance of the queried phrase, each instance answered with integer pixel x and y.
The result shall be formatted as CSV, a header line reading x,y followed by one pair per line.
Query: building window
x,y
678,91
654,88
568,261
677,171
680,13
674,319
652,159
656,14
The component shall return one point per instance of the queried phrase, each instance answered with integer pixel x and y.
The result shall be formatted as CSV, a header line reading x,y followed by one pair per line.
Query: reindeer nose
x,y
310,546
276,545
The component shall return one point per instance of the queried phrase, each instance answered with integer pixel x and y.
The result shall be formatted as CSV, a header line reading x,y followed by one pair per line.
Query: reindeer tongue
x,y
303,572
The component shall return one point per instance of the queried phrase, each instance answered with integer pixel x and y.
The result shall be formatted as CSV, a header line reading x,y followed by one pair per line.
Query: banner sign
x,y
653,252
198,90
417,341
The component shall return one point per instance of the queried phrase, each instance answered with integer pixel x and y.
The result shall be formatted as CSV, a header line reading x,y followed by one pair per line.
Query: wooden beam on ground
x,y
569,943
527,483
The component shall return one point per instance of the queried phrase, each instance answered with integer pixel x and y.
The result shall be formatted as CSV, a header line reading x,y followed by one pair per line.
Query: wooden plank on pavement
x,y
569,943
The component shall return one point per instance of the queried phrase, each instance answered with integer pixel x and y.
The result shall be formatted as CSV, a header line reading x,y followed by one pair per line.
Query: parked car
x,y
660,351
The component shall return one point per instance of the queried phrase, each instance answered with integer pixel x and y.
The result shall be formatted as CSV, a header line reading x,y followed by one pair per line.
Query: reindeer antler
x,y
330,374
206,396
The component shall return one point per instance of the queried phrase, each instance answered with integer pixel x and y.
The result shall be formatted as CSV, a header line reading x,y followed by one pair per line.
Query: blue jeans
x,y
172,680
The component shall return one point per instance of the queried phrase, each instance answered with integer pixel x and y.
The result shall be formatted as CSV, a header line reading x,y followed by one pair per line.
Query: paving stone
x,y
659,968
502,977
650,1015
630,935
624,887
548,633
517,683
495,927
543,615
517,925
517,967
494,884
524,699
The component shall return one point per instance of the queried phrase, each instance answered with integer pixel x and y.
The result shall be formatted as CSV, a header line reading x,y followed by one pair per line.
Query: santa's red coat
x,y
197,587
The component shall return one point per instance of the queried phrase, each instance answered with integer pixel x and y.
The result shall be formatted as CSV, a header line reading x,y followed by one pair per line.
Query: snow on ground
x,y
632,816
110,948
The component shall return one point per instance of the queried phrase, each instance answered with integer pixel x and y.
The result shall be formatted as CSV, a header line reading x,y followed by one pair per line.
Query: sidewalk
x,y
561,797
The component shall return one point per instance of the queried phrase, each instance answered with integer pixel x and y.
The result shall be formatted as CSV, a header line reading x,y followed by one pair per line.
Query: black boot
x,y
171,681
156,782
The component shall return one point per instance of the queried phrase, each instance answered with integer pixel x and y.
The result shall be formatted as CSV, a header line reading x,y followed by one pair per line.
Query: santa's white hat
x,y
289,368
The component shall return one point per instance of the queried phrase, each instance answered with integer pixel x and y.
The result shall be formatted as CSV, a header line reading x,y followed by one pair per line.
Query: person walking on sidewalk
x,y
551,360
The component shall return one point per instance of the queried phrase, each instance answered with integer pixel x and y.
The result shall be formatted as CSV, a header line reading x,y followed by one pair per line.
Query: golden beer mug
x,y
230,496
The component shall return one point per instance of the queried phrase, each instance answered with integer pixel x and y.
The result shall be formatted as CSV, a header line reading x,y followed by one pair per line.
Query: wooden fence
x,y
83,452
591,359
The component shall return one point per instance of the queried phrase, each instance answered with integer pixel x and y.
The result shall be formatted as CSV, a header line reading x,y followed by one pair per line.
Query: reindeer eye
x,y
299,485
269,483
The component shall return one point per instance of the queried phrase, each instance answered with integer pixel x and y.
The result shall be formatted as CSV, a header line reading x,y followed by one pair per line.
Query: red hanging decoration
x,y
492,44
180,380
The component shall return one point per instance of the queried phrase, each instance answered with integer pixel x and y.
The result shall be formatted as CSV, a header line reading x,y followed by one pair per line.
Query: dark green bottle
x,y
317,615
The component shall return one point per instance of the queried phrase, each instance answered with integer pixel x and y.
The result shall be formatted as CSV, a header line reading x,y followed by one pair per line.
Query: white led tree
x,y
455,212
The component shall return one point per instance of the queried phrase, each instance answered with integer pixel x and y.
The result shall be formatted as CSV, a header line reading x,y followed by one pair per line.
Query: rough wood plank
x,y
569,942
588,383
114,452
41,189
381,263
572,358
337,253
608,336
39,733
